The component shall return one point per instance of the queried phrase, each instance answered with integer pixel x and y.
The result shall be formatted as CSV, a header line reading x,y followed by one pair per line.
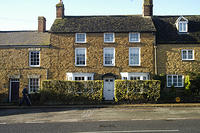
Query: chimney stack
x,y
41,24
148,8
60,10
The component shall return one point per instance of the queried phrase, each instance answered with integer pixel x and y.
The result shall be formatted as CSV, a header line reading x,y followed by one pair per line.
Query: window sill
x,y
80,65
134,65
135,42
80,42
175,87
188,59
34,66
108,65
109,42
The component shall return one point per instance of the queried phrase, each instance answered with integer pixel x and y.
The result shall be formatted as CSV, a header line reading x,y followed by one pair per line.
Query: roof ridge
x,y
103,15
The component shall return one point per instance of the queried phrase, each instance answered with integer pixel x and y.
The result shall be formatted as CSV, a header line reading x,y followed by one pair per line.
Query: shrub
x,y
71,92
137,91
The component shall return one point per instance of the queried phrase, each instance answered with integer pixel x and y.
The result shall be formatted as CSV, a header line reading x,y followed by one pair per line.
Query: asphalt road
x,y
101,120
147,126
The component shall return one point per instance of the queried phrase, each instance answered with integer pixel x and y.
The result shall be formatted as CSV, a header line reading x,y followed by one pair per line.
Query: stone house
x,y
25,60
127,47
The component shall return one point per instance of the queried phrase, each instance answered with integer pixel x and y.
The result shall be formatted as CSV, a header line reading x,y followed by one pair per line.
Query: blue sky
x,y
23,14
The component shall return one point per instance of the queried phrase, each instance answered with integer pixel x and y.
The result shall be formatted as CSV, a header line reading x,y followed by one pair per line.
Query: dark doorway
x,y
14,90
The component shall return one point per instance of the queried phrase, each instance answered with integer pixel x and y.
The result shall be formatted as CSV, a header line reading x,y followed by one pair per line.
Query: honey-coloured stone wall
x,y
63,54
170,61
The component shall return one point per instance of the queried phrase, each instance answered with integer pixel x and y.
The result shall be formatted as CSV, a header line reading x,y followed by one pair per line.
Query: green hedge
x,y
133,91
71,92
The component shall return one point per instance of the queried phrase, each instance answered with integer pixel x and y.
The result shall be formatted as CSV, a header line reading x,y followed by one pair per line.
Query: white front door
x,y
108,90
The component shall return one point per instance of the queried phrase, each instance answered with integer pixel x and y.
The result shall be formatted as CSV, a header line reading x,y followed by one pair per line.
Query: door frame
x,y
113,87
10,88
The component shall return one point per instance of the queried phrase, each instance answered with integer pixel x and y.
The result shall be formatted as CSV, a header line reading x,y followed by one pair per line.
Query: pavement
x,y
8,106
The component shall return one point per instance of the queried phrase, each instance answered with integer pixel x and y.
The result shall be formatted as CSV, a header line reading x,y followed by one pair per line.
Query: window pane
x,y
34,84
34,58
109,37
80,57
134,37
184,54
79,78
184,26
169,79
180,81
124,78
134,56
180,27
190,54
109,56
80,37
175,81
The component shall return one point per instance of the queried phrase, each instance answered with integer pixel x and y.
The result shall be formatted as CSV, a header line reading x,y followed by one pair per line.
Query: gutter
x,y
5,46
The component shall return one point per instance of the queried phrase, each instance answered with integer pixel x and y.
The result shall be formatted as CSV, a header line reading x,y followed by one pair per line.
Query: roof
x,y
99,24
24,38
167,32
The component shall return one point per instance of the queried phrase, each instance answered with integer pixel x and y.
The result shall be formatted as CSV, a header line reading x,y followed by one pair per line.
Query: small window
x,y
80,56
109,37
182,24
134,56
79,78
80,37
124,78
135,78
33,85
89,78
187,54
34,58
109,56
175,80
134,37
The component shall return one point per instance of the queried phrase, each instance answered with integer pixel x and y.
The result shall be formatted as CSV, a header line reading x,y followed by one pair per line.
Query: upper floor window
x,y
34,58
187,54
134,37
80,56
182,24
134,56
175,80
109,56
109,37
80,37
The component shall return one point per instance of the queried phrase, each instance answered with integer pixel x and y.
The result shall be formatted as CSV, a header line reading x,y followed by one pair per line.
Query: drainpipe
x,y
155,50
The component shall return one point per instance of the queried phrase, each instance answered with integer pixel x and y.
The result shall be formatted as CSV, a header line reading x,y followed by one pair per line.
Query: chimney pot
x,y
148,8
60,9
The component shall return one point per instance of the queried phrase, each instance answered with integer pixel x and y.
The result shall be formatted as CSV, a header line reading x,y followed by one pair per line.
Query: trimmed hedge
x,y
137,91
71,92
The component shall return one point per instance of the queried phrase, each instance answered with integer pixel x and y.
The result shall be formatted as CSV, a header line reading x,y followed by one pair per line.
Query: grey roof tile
x,y
98,24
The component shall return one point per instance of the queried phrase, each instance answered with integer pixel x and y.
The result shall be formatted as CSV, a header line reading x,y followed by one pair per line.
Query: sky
x,y
23,14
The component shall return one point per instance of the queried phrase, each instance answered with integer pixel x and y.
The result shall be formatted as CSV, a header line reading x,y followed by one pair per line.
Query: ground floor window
x,y
80,76
175,80
134,76
34,85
